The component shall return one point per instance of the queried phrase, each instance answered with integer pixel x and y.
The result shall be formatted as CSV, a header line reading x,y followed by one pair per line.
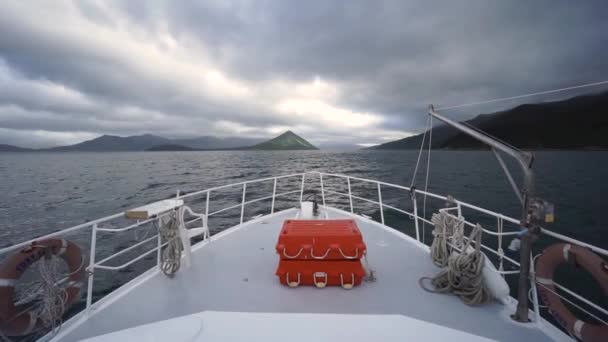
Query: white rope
x,y
172,254
47,300
412,183
370,274
522,96
463,275
447,227
426,181
501,251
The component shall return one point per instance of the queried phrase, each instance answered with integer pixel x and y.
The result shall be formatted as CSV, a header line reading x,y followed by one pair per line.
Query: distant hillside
x,y
170,147
286,141
213,143
115,143
577,123
11,148
106,143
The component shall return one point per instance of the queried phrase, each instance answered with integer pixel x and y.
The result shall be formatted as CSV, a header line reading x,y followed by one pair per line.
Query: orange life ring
x,y
545,267
13,322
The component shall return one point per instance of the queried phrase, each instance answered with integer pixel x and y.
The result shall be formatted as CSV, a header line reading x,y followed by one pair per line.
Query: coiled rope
x,y
450,228
172,253
463,275
45,298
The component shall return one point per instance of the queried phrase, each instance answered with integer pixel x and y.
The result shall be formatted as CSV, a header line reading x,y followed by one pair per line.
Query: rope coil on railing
x,y
172,254
463,275
39,305
45,300
501,252
447,227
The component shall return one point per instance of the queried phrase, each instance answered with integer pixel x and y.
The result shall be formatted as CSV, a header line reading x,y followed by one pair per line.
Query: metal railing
x,y
411,194
458,206
96,226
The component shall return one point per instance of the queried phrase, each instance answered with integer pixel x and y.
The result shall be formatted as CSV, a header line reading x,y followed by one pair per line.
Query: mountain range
x,y
286,141
149,142
578,123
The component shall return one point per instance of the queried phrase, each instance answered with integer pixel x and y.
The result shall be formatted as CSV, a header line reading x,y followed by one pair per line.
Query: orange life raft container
x,y
294,273
320,253
320,240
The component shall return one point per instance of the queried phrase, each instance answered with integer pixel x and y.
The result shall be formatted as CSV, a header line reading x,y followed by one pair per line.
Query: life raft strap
x,y
566,251
75,284
578,329
544,281
7,282
64,247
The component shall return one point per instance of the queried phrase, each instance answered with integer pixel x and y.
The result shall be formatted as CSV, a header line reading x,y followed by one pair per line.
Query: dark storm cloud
x,y
110,65
396,57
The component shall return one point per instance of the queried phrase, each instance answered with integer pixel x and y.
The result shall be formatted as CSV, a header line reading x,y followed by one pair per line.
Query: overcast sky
x,y
333,71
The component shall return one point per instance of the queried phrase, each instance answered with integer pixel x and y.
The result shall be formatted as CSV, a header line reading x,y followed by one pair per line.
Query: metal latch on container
x,y
320,284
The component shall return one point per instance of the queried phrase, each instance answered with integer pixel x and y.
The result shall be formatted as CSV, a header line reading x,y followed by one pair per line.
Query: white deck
x,y
234,272
211,326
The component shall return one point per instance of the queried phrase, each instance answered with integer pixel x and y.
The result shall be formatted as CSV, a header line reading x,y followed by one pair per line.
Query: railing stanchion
x,y
415,201
243,202
274,194
381,206
529,275
350,195
302,188
322,189
91,268
159,242
534,292
207,205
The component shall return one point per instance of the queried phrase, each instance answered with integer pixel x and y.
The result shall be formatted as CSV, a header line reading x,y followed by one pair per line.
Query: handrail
x,y
132,261
467,205
135,225
58,233
95,224
192,194
142,242
459,204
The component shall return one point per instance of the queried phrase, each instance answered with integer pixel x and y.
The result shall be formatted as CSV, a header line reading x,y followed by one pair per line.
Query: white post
x,y
159,242
322,189
381,206
534,293
350,195
243,202
382,242
207,205
91,268
302,188
274,193
415,200
183,235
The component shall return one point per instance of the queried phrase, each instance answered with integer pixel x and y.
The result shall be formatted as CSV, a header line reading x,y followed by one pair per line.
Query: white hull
x,y
234,272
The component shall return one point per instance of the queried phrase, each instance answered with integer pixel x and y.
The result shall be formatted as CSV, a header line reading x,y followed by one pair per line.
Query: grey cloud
x,y
396,57
392,58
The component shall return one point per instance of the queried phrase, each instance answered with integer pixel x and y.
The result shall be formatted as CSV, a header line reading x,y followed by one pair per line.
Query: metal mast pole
x,y
529,231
